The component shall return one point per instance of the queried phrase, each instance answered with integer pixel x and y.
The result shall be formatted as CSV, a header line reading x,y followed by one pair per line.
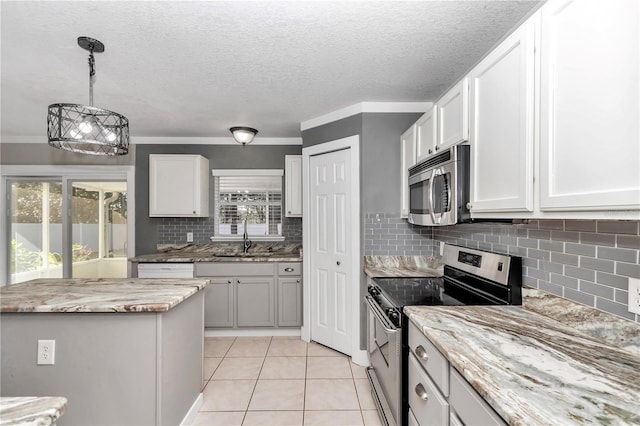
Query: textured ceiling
x,y
195,68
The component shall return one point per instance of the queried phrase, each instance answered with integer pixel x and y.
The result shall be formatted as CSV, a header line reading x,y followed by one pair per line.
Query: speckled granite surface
x,y
98,295
223,252
403,266
595,323
40,411
534,370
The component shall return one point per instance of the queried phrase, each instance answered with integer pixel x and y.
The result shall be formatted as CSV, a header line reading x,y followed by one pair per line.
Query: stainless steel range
x,y
471,277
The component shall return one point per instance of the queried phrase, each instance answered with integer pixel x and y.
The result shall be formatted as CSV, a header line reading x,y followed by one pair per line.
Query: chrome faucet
x,y
247,242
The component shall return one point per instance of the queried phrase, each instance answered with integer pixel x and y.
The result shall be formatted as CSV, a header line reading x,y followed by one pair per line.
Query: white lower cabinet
x,y
437,393
248,294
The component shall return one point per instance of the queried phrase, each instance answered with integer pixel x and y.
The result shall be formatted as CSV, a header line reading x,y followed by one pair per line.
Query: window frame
x,y
248,173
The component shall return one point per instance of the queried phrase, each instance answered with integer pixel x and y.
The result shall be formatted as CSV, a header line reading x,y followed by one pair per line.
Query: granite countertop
x,y
98,294
41,411
222,252
403,266
535,370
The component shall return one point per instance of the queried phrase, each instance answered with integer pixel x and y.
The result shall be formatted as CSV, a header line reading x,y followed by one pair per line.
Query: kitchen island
x,y
127,351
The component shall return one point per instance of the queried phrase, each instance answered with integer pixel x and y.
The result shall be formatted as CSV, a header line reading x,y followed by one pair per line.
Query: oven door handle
x,y
379,315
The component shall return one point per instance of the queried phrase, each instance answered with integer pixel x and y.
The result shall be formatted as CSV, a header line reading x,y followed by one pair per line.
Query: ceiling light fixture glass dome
x,y
243,135
88,129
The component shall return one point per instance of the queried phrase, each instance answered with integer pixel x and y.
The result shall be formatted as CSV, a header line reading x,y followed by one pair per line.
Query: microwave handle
x,y
433,216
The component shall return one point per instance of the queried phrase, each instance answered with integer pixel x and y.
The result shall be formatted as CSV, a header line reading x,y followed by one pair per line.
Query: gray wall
x,y
220,157
43,154
379,167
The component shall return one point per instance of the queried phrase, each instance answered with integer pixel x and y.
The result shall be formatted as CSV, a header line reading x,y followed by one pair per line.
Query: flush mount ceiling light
x,y
87,129
243,135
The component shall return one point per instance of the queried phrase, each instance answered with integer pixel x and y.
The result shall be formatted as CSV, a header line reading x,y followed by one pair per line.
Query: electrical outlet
x,y
634,295
46,352
189,237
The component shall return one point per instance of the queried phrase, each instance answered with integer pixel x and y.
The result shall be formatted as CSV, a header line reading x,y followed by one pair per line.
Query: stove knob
x,y
393,314
374,291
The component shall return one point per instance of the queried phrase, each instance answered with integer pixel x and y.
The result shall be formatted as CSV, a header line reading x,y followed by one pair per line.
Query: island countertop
x,y
42,411
98,294
534,370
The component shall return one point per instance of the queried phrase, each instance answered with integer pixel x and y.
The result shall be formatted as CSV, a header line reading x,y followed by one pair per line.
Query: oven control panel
x,y
470,258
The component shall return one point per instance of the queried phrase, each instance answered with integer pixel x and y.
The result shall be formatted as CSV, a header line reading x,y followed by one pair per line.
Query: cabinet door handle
x,y
421,353
238,281
228,281
298,281
194,212
421,392
430,151
288,269
437,147
338,263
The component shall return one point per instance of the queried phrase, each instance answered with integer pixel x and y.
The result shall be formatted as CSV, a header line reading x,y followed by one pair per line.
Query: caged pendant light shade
x,y
88,129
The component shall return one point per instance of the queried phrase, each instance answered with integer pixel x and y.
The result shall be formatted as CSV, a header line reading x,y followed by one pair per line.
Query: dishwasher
x,y
166,270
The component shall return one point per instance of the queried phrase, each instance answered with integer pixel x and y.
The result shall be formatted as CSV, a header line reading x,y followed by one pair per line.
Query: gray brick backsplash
x,y
580,225
628,269
621,296
551,246
598,239
581,249
597,289
610,306
618,227
591,252
565,259
623,255
584,274
596,264
578,296
611,280
628,241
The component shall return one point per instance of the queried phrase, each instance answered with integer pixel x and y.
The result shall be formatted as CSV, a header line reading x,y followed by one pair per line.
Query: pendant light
x,y
243,135
88,129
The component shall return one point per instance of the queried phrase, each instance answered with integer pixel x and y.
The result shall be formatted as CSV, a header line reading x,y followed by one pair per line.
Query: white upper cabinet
x,y
590,116
407,159
293,185
453,116
426,134
502,125
178,185
446,124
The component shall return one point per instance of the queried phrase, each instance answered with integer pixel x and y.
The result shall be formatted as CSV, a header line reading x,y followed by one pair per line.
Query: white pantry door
x,y
330,202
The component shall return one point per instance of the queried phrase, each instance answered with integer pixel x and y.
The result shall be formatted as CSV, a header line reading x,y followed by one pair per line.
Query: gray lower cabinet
x,y
252,294
219,303
289,302
438,394
255,302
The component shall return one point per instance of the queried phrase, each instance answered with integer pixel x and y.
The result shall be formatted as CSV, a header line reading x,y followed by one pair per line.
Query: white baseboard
x,y
234,332
190,417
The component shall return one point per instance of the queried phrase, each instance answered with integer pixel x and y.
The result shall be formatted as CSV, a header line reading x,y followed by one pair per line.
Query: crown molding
x,y
366,107
150,140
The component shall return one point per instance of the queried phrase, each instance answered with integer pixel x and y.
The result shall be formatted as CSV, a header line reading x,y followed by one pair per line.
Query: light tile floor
x,y
282,381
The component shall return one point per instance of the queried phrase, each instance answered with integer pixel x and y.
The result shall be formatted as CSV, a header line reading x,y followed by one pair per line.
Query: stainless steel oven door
x,y
384,346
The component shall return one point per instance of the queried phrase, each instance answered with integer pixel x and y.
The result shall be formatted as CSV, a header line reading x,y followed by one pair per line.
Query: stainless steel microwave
x,y
439,188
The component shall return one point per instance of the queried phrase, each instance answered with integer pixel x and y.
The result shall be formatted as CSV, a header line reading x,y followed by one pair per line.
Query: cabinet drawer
x,y
293,268
430,358
235,269
426,402
469,405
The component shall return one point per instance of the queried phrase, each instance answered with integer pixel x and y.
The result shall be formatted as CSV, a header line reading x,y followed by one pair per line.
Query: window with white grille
x,y
254,196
